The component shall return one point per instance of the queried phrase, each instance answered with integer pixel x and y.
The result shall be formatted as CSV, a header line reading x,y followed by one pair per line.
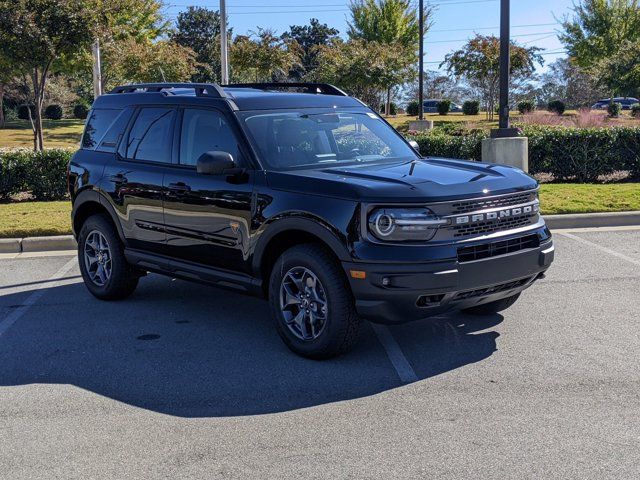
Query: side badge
x,y
235,226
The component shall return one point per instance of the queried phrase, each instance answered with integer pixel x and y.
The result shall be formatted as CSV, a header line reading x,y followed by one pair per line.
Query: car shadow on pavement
x,y
194,351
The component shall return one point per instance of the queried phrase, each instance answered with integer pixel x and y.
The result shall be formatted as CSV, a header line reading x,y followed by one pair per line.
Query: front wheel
x,y
492,307
311,303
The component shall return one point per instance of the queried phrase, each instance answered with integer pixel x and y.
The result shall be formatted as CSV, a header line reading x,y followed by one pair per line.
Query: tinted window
x,y
203,131
150,136
110,140
97,125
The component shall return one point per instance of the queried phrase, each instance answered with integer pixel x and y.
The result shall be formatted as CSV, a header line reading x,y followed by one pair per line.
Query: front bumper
x,y
398,293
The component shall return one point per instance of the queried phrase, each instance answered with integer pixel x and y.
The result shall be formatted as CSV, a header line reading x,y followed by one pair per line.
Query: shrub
x,y
437,144
81,111
23,111
413,108
471,107
444,106
53,112
556,106
614,109
393,109
635,110
526,106
44,174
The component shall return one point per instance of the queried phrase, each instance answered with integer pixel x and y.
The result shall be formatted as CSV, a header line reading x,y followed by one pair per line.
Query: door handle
x,y
118,178
179,187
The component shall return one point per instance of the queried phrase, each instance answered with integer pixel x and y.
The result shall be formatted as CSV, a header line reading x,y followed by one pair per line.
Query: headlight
x,y
404,224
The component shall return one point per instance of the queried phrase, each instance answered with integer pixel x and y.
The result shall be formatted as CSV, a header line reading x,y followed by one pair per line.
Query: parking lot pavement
x,y
186,381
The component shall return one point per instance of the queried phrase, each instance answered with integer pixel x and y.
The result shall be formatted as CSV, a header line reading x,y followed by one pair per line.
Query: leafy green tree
x,y
36,36
598,33
564,79
309,37
478,61
262,56
198,28
621,73
8,72
393,23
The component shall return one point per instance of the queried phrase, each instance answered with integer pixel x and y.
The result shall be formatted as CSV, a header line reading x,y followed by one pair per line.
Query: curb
x,y
37,244
554,222
593,220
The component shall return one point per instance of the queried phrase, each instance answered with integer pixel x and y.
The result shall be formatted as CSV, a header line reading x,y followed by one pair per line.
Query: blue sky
x,y
533,22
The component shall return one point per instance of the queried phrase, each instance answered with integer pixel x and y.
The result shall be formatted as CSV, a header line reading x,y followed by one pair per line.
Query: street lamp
x,y
421,62
504,129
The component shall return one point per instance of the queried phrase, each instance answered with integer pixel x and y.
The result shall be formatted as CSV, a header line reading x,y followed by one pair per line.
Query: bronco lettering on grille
x,y
496,215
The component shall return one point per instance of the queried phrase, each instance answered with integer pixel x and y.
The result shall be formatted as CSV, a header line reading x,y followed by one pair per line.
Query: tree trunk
x,y
1,106
39,83
387,106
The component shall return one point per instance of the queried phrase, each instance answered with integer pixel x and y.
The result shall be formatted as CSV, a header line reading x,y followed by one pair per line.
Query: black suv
x,y
301,194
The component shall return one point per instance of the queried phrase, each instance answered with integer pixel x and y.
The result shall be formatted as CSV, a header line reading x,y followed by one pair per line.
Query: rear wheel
x,y
103,266
311,303
492,307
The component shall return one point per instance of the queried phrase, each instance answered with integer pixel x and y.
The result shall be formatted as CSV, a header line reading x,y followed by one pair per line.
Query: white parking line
x,y
394,352
15,315
600,247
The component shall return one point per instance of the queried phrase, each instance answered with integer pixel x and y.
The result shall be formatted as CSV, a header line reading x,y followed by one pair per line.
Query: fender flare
x,y
93,196
313,226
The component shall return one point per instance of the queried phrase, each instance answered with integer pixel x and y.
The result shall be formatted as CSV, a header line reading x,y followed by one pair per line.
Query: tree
x,y
621,73
199,29
262,56
7,73
133,61
599,31
309,37
570,82
35,35
393,23
478,61
437,85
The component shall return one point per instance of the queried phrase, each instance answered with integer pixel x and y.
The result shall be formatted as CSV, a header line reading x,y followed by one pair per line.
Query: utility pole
x,y
97,71
421,62
224,62
504,129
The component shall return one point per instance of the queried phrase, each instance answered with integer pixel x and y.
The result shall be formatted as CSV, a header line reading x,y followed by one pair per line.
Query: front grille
x,y
475,205
494,249
491,226
482,292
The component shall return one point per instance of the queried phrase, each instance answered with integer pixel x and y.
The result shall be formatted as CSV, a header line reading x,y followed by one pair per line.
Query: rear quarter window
x,y
98,124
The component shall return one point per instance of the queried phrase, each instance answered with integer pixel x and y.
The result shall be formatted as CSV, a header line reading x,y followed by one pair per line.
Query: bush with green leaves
x,y
81,111
43,174
614,109
556,106
23,111
444,106
569,154
526,106
393,109
635,110
471,107
413,108
53,112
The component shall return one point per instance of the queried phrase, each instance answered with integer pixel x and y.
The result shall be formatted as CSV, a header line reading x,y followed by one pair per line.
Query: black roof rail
x,y
318,88
201,89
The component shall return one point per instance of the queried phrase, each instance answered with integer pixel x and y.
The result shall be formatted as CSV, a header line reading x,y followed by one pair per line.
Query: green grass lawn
x,y
63,133
25,219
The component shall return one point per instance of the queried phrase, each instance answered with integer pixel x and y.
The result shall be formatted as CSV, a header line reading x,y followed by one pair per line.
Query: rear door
x,y
137,175
207,217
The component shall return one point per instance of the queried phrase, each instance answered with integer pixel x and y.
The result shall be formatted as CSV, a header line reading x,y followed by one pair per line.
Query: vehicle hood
x,y
429,179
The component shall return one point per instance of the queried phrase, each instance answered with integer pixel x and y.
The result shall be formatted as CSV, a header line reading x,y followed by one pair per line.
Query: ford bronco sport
x,y
303,195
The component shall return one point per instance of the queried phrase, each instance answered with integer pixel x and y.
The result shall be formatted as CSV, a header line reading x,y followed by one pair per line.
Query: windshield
x,y
299,139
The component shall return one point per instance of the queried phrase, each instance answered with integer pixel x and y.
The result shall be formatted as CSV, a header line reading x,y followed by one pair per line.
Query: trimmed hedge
x,y
614,109
44,174
53,112
556,106
80,111
635,110
526,106
413,108
444,107
471,107
580,155
23,111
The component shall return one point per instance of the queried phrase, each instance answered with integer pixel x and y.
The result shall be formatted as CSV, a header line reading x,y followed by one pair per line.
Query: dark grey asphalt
x,y
186,381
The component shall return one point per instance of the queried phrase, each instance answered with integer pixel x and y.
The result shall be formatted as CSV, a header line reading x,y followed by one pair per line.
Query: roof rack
x,y
317,88
201,89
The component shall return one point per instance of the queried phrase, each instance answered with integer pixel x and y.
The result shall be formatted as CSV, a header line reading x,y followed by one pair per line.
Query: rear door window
x,y
151,134
98,123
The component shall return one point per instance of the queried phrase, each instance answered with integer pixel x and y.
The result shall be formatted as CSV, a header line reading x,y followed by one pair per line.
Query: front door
x,y
207,217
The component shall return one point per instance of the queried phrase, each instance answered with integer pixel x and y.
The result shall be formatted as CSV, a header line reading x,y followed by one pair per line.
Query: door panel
x,y
207,217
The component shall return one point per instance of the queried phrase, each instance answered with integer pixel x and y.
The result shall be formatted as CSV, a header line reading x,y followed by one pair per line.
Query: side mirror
x,y
215,162
415,145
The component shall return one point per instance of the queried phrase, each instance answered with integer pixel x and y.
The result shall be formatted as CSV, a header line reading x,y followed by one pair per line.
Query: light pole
x,y
223,44
97,70
504,129
421,62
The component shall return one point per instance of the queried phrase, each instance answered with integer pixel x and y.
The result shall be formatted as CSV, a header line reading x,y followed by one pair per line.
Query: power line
x,y
492,28
465,39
